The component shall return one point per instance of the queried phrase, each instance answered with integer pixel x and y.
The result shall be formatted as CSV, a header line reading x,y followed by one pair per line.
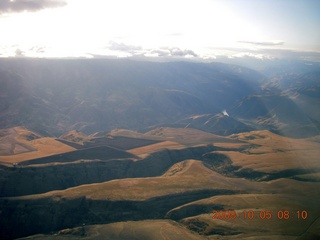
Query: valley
x,y
128,149
55,96
165,179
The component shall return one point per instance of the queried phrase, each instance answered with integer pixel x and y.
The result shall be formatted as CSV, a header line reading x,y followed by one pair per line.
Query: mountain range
x,y
127,149
55,96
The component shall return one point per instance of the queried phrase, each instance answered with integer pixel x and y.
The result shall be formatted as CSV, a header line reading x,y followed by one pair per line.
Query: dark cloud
x,y
276,43
7,6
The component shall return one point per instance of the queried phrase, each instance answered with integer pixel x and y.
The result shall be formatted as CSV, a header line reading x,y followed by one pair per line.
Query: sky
x,y
191,29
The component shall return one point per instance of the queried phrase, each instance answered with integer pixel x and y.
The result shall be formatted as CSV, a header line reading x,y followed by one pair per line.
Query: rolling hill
x,y
127,149
176,181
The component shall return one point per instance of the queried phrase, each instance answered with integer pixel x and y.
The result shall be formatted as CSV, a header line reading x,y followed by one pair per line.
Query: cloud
x,y
123,47
132,50
267,53
8,6
273,43
293,54
177,52
37,49
175,34
260,56
173,52
19,53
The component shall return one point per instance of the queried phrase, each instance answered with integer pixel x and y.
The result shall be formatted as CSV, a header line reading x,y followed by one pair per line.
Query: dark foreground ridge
x,y
20,218
41,179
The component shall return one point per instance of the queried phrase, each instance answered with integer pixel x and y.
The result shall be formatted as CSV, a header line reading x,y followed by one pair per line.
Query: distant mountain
x,y
272,68
136,150
220,124
303,89
276,113
53,97
56,96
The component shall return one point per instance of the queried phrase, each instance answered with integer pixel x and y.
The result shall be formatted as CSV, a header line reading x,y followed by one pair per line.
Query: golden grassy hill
x,y
189,136
275,153
26,145
186,176
183,197
74,136
147,230
147,150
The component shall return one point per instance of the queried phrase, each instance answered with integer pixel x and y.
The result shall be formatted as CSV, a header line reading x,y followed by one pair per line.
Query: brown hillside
x,y
19,144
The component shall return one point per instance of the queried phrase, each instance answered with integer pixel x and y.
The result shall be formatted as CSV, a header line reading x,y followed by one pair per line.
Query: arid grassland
x,y
169,183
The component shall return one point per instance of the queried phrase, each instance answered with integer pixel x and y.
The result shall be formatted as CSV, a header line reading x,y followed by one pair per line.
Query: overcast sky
x,y
166,28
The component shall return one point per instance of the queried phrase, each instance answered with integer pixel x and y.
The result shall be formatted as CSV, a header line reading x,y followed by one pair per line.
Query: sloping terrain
x,y
19,144
277,113
181,186
56,96
189,136
121,149
149,229
53,97
220,124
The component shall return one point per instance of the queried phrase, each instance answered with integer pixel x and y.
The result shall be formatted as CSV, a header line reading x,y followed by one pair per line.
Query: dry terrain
x,y
19,144
170,189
